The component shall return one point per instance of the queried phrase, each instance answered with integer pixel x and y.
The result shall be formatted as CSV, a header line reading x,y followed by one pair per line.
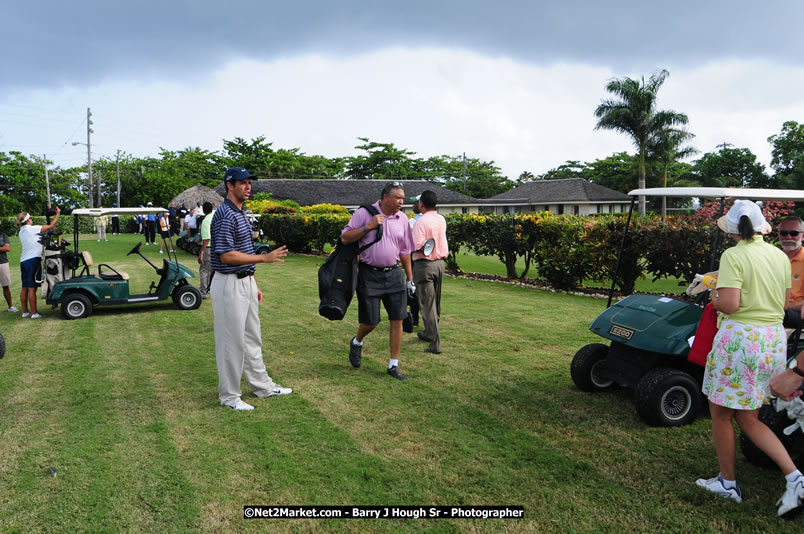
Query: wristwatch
x,y
796,369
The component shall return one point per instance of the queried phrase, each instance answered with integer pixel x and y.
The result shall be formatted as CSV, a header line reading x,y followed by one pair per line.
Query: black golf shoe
x,y
355,352
396,373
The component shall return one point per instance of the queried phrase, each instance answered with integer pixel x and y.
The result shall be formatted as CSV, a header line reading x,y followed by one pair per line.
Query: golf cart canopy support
x,y
97,212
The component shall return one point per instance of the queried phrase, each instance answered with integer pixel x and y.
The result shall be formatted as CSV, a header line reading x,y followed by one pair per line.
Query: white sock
x,y
393,363
790,477
729,484
356,342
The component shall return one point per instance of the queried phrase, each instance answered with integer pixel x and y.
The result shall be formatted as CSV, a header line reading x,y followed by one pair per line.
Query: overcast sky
x,y
515,82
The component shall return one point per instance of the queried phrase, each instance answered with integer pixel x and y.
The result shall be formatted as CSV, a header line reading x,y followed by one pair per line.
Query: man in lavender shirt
x,y
379,276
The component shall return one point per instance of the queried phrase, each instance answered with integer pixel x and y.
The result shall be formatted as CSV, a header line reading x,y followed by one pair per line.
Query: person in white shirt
x,y
31,260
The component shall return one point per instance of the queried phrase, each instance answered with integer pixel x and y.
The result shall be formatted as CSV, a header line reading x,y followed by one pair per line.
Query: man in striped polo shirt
x,y
236,297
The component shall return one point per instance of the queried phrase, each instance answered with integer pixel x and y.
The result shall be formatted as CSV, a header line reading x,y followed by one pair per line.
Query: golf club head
x,y
428,247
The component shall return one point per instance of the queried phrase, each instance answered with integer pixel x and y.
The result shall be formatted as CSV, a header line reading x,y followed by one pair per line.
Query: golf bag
x,y
337,277
57,262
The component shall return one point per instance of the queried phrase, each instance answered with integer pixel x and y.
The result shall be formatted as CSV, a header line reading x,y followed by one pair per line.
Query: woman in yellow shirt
x,y
749,349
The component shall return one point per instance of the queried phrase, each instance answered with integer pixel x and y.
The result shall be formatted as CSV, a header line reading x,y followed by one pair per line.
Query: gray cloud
x,y
54,43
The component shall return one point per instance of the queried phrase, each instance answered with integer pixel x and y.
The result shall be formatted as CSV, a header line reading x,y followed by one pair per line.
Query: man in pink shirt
x,y
428,271
379,276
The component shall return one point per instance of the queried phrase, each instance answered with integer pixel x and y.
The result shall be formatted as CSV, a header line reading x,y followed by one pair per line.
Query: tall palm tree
x,y
668,146
634,112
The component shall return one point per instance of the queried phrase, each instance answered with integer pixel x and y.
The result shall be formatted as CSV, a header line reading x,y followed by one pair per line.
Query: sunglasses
x,y
791,233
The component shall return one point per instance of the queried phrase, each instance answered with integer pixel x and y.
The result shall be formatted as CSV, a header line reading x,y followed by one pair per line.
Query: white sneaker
x,y
793,499
35,316
12,309
279,390
240,405
161,252
26,314
716,485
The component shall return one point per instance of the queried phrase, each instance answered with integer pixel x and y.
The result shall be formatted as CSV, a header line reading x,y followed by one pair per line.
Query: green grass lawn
x,y
124,406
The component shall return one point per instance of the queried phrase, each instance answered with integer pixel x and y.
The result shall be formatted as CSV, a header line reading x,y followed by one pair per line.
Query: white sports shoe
x,y
240,405
12,309
26,314
717,485
279,390
36,316
793,499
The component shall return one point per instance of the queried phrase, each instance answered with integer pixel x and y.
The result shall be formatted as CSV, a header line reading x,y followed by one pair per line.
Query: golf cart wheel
x,y
2,346
668,397
265,251
76,306
777,422
187,297
585,368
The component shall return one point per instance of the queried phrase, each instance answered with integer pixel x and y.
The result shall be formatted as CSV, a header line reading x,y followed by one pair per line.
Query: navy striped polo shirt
x,y
230,230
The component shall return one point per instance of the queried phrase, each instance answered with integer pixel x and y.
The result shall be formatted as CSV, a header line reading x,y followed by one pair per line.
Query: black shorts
x,y
165,234
375,286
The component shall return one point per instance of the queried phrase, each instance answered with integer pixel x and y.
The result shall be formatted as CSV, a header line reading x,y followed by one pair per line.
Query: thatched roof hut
x,y
197,194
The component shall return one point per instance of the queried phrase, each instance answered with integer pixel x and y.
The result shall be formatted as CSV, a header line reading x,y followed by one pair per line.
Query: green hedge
x,y
565,250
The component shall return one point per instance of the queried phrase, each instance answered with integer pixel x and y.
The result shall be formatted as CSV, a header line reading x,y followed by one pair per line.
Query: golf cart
x,y
257,234
649,335
71,283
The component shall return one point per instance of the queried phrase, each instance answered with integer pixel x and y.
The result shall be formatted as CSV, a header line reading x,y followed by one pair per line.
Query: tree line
x,y
661,139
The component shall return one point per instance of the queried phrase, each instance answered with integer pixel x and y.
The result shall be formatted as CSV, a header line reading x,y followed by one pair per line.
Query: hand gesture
x,y
276,255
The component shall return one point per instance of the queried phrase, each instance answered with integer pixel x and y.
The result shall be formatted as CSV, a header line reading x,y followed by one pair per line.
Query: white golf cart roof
x,y
721,192
97,212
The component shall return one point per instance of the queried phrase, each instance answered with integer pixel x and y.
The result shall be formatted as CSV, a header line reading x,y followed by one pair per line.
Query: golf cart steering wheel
x,y
136,249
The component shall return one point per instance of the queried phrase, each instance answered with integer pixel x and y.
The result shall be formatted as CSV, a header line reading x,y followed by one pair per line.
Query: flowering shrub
x,y
565,249
272,206
324,208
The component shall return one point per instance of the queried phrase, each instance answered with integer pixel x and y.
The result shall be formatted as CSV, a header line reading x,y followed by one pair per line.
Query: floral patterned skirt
x,y
743,360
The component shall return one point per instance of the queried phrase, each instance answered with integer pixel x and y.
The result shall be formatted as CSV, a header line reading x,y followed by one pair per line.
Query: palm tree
x,y
668,146
634,112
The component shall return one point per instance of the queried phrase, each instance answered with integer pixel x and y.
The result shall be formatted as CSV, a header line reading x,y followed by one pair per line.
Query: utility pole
x,y
47,180
89,154
463,176
99,189
118,178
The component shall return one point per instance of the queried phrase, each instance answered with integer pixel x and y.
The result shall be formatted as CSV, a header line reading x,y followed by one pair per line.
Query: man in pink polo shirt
x,y
379,276
428,271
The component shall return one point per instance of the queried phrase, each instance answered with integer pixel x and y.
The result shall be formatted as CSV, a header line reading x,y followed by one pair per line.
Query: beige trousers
x,y
204,270
427,275
238,337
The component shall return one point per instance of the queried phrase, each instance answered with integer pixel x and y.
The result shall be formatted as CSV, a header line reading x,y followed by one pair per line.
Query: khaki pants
x,y
101,232
427,275
238,337
204,271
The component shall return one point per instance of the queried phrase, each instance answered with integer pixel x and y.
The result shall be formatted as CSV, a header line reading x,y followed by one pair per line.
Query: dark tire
x,y
2,346
668,397
585,365
265,251
76,306
187,297
777,422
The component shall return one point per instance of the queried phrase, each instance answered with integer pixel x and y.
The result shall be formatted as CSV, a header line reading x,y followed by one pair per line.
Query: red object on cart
x,y
704,336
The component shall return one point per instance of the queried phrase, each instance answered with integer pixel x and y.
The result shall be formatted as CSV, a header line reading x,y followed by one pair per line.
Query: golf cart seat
x,y
113,275
86,257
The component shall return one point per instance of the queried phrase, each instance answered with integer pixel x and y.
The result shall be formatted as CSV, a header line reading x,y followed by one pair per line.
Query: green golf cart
x,y
649,336
74,282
